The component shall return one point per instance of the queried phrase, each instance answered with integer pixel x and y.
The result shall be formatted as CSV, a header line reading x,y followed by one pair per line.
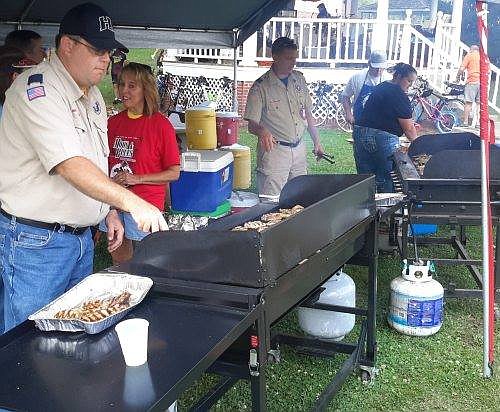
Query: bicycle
x,y
454,102
439,113
324,108
217,91
225,97
173,99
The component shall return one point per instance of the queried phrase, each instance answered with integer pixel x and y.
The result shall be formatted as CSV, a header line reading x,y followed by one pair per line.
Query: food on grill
x,y
238,229
420,161
274,217
268,219
256,224
97,309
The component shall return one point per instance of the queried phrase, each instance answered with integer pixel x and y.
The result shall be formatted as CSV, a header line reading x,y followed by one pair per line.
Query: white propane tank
x,y
325,324
416,305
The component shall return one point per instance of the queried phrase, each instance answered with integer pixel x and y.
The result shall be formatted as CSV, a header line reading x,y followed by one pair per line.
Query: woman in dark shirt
x,y
386,116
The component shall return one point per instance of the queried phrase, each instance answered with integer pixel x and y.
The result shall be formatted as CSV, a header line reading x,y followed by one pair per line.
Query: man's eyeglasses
x,y
96,51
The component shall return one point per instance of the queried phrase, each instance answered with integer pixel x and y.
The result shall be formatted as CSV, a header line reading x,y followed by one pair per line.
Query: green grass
x,y
441,372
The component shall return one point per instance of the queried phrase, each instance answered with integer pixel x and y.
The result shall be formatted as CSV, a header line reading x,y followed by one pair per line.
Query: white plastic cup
x,y
133,336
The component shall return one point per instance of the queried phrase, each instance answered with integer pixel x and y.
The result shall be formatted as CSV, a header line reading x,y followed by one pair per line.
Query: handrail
x,y
345,41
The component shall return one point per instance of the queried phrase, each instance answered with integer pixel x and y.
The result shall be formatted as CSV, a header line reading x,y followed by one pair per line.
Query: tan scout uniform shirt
x,y
46,120
279,108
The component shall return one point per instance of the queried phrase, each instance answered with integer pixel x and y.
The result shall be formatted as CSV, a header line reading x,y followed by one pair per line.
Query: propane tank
x,y
416,305
325,324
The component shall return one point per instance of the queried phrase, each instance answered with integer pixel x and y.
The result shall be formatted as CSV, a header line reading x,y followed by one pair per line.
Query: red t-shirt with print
x,y
142,146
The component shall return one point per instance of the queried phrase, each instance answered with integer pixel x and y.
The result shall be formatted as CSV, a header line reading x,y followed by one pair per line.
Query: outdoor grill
x,y
441,176
332,206
450,183
216,294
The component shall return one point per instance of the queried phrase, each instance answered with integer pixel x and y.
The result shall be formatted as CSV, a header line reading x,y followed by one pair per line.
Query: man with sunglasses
x,y
53,163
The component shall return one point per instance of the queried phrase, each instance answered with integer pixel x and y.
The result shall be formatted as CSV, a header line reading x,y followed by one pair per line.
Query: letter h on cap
x,y
105,23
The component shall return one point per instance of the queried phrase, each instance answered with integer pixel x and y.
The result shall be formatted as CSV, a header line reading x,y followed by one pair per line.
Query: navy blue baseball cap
x,y
92,23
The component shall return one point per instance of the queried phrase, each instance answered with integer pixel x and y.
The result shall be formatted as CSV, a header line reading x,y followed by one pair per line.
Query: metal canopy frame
x,y
155,23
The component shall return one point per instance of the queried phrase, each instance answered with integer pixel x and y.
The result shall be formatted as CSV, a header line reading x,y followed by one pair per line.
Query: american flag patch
x,y
35,92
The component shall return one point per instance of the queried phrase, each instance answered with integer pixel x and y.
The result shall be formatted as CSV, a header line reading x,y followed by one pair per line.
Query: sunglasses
x,y
94,50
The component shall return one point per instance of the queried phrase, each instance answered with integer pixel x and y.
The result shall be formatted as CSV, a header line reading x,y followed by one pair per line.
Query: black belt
x,y
288,144
49,226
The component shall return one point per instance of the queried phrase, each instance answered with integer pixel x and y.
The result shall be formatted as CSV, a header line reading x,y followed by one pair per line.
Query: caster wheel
x,y
274,356
366,376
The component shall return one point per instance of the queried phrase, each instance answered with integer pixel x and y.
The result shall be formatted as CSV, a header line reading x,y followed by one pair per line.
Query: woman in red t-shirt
x,y
143,150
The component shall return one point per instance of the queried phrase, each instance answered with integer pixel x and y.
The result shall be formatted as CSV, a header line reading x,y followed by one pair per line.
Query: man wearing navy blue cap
x,y
53,163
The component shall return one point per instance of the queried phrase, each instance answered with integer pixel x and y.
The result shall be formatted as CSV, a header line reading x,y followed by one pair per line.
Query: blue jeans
x,y
2,299
132,231
38,265
373,149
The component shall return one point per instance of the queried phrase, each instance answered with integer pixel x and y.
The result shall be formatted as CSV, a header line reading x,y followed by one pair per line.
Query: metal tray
x,y
96,286
388,199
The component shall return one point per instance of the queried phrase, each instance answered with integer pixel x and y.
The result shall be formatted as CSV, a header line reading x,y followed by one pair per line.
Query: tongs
x,y
325,156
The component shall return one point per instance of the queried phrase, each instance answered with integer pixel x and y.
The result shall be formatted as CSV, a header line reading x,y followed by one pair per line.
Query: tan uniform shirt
x,y
47,119
279,108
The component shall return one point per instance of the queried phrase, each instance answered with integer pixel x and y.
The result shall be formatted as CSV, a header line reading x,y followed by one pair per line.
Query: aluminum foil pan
x,y
96,286
186,222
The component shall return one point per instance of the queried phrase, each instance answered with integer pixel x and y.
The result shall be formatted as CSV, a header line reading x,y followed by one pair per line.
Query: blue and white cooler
x,y
205,181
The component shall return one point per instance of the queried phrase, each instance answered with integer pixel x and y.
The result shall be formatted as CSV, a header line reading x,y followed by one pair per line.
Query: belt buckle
x,y
74,230
66,228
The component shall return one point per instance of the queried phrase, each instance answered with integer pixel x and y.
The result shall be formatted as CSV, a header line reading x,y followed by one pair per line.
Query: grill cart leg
x,y
347,368
316,347
214,395
404,236
372,248
257,367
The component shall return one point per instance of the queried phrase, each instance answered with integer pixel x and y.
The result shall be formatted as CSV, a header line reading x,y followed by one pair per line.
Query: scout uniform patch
x,y
36,91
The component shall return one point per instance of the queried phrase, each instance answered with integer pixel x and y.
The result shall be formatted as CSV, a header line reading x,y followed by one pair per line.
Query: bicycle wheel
x,y
417,112
446,121
342,123
320,112
184,99
456,106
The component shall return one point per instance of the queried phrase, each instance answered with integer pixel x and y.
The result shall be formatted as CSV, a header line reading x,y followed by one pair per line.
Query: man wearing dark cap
x,y
278,111
53,163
